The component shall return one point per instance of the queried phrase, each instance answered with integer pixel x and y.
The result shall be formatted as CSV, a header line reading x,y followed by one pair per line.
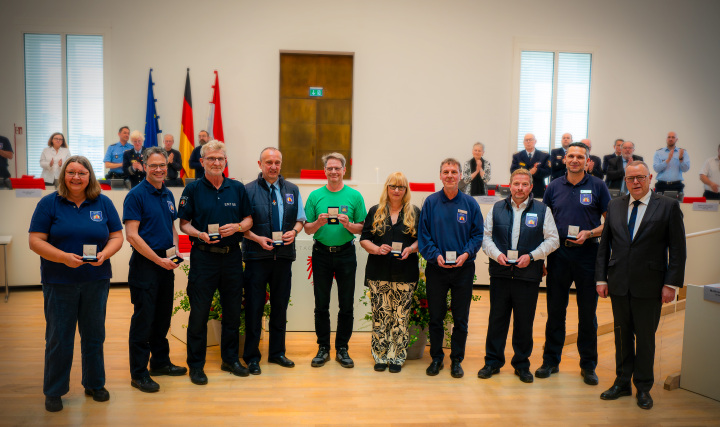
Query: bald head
x,y
671,139
529,142
566,140
588,143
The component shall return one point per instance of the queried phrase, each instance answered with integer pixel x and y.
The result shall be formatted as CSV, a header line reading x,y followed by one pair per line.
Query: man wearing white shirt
x,y
519,233
710,176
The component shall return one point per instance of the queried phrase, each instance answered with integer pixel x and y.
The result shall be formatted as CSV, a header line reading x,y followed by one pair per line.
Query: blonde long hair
x,y
383,211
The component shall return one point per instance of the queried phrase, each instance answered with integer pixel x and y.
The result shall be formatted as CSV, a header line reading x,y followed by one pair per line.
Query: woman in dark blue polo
x,y
389,236
64,226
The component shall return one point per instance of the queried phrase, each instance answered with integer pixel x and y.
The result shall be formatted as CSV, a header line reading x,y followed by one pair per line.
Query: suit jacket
x,y
606,158
557,167
134,176
616,171
654,258
521,160
597,168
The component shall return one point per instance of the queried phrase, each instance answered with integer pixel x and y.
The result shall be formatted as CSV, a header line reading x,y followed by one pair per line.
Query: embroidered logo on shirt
x,y
462,216
170,206
290,199
183,201
96,216
344,210
585,198
531,220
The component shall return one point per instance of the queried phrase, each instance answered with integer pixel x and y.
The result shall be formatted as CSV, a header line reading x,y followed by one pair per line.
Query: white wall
x,y
431,77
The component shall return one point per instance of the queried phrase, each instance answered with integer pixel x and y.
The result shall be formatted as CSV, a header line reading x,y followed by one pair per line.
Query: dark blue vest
x,y
530,238
259,194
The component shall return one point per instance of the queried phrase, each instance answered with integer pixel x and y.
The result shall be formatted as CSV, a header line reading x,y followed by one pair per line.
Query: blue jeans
x,y
66,305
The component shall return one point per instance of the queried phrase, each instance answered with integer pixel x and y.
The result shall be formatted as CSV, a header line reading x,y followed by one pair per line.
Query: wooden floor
x,y
332,395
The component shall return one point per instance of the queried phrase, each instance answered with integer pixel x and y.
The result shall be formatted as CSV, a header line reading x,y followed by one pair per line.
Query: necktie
x,y
275,210
633,217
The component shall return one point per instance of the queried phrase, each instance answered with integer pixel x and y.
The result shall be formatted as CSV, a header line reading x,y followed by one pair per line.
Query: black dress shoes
x,y
456,370
434,368
170,370
545,370
525,375
589,376
394,369
282,361
342,356
99,395
145,384
644,400
487,371
235,368
380,367
197,376
254,368
615,392
323,355
53,404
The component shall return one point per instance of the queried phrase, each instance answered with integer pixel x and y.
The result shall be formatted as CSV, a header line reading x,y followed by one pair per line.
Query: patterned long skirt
x,y
390,308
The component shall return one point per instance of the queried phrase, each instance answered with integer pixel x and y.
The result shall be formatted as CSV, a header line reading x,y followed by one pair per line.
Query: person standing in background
x,y
53,157
476,173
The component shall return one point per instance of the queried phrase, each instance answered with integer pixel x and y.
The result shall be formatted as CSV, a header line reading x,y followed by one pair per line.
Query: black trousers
x,y
342,265
519,298
208,272
565,266
151,293
636,321
459,282
709,195
662,186
259,273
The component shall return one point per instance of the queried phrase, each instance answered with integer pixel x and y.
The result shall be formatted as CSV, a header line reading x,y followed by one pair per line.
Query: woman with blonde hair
x,y
53,157
389,236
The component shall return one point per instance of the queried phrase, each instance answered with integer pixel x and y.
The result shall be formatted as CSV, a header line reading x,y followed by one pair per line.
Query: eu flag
x,y
152,127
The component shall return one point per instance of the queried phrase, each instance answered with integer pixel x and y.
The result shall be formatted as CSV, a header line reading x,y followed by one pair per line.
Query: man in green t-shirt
x,y
335,213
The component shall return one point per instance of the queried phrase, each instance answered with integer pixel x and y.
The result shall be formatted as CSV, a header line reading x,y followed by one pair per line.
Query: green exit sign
x,y
316,91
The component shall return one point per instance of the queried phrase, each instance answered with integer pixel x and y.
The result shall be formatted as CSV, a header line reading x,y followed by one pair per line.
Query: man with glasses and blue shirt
x,y
670,163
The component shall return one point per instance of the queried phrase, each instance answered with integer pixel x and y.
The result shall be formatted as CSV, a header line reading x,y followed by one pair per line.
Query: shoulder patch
x,y
183,201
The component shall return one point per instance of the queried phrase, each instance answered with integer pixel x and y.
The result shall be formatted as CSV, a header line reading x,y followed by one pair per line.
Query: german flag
x,y
187,138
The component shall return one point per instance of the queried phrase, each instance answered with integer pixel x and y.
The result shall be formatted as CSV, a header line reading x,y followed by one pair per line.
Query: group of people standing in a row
x,y
76,230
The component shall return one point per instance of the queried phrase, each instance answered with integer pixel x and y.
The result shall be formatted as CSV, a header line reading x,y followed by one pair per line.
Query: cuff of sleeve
x,y
600,283
675,288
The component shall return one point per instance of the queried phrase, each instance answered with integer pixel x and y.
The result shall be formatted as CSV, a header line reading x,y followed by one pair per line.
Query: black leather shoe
x,y
644,400
170,370
99,395
197,376
282,361
487,371
380,367
342,356
545,370
235,368
254,368
615,392
145,384
53,404
525,375
456,370
589,376
434,368
394,369
323,355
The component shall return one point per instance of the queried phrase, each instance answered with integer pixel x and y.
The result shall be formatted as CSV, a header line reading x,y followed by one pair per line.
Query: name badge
x,y
462,216
172,255
450,257
522,164
214,231
277,238
397,248
585,197
531,220
333,215
512,256
89,253
573,231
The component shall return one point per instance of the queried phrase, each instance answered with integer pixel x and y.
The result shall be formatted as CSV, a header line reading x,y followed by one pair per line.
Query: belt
x,y
567,243
333,249
670,182
216,249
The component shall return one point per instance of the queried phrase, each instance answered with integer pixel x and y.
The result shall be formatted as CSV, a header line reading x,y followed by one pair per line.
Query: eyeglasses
x,y
640,178
397,187
78,174
215,159
154,167
333,169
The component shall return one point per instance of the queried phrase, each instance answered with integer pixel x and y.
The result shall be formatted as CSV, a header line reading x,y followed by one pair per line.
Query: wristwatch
x,y
296,232
532,258
592,233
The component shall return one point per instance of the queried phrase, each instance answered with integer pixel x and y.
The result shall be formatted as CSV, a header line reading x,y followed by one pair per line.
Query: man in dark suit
x,y
640,259
557,157
617,153
133,166
536,161
616,167
593,165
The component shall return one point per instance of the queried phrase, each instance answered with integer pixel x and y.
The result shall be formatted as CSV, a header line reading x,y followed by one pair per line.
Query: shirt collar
x,y
522,206
644,199
582,181
151,188
530,153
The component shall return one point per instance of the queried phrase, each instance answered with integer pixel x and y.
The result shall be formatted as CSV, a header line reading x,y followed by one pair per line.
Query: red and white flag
x,y
214,120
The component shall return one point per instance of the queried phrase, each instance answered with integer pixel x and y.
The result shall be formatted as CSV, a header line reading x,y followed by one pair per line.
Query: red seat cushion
x,y
422,186
694,199
312,174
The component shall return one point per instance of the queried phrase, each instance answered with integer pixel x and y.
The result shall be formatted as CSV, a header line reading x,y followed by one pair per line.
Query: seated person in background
x,y
710,176
133,159
114,155
557,157
593,166
617,153
174,161
6,153
203,138
536,161
616,167
475,179
53,157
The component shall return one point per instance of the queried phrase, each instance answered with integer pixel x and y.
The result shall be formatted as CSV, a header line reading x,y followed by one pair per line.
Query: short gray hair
x,y
153,150
213,145
480,144
336,156
450,161
137,134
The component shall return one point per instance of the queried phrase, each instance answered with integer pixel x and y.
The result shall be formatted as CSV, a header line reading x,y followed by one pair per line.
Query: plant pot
x,y
416,350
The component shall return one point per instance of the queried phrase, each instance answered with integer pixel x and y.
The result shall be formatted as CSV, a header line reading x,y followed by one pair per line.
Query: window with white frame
x,y
64,93
554,96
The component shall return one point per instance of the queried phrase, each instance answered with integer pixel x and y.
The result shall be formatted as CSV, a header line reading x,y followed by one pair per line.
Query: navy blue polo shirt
x,y
69,228
155,209
582,204
202,204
